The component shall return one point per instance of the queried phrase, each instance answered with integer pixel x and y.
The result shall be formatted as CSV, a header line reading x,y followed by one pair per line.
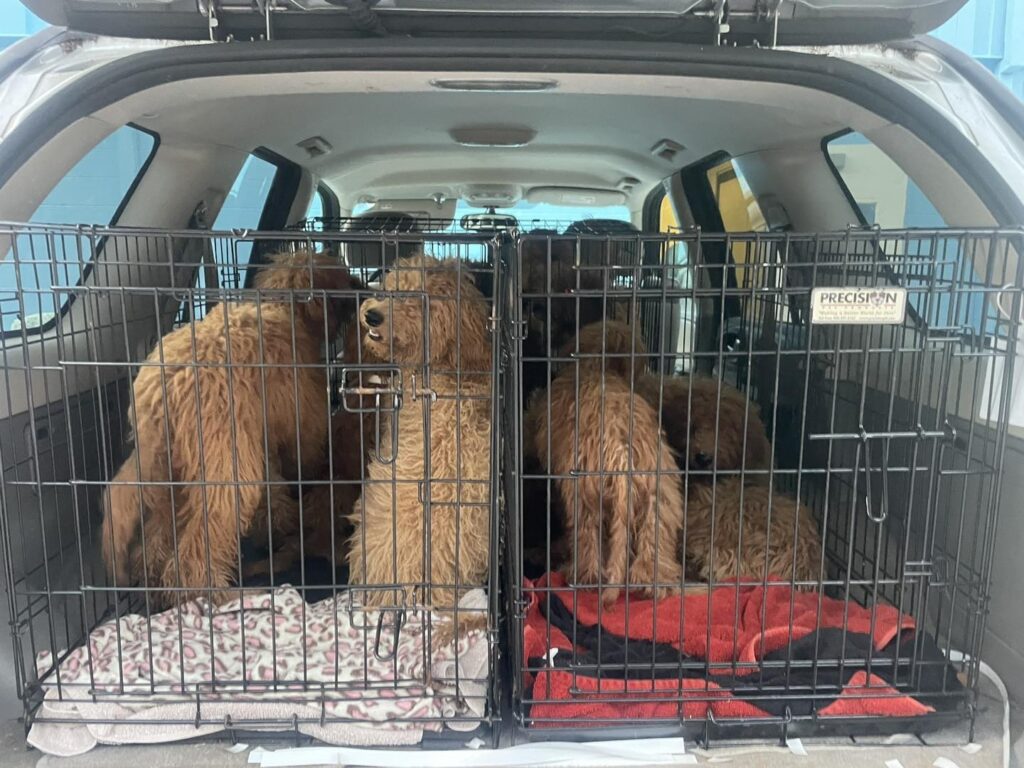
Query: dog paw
x,y
610,596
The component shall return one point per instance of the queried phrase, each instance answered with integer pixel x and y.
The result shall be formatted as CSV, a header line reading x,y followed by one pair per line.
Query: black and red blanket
x,y
736,651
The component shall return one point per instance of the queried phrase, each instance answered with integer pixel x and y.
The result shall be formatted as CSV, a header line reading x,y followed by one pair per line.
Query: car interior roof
x,y
388,134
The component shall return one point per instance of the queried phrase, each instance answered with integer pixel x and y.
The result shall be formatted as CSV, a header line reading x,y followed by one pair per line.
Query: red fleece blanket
x,y
738,651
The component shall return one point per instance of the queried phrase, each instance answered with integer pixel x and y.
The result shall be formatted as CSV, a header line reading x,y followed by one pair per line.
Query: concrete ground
x,y
911,752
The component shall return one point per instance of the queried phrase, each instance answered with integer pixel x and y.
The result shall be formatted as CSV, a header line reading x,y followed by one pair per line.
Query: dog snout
x,y
702,460
373,318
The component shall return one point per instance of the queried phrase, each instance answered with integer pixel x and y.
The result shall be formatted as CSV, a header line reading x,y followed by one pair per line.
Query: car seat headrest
x,y
372,255
621,249
601,227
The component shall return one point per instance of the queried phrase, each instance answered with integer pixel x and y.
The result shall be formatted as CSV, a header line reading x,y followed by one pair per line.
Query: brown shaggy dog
x,y
627,501
328,504
329,494
750,541
705,420
448,392
216,410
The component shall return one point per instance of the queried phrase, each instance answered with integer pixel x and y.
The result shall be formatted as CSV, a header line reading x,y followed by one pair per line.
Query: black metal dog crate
x,y
880,365
865,373
260,417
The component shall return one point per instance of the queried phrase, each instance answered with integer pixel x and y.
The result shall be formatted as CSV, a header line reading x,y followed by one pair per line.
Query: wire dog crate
x,y
794,442
246,488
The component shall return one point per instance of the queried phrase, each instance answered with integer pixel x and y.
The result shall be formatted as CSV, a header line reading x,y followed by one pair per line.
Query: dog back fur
x,y
204,404
623,509
743,530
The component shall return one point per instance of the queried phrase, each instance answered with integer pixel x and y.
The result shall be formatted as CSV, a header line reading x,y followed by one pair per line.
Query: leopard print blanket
x,y
329,669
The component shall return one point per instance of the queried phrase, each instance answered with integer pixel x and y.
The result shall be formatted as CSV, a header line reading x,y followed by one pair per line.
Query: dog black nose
x,y
702,460
373,318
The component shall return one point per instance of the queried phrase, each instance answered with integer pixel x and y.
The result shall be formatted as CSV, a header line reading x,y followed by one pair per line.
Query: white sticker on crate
x,y
885,305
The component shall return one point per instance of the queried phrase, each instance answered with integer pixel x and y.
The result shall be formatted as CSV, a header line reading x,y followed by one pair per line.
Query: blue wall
x,y
992,31
16,22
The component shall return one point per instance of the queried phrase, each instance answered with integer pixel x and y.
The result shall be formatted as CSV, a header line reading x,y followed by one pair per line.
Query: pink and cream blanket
x,y
252,665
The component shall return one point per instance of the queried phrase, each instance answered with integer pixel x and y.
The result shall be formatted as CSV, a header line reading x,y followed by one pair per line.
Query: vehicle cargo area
x,y
411,408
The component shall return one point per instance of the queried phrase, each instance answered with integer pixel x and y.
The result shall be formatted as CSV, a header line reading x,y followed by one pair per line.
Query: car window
x,y
886,196
737,205
533,215
316,206
242,210
243,207
93,192
884,193
547,216
739,210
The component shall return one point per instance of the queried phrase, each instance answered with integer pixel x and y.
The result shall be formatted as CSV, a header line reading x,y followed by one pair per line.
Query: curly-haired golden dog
x,y
737,530
232,407
624,510
422,524
711,426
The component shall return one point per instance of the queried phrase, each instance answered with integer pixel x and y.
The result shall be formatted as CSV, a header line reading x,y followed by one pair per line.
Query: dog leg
x,y
656,570
616,558
444,633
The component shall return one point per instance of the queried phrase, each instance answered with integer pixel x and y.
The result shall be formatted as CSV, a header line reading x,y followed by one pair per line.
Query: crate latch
x,y
864,449
396,631
371,391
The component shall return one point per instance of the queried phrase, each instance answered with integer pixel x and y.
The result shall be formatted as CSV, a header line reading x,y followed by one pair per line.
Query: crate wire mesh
x,y
91,304
891,435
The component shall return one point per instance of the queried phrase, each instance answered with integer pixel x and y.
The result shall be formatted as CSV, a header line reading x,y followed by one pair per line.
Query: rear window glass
x,y
91,193
547,216
242,210
885,194
243,207
316,205
531,216
535,215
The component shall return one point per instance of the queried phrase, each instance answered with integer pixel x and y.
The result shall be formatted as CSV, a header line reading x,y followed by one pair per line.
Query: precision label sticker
x,y
858,306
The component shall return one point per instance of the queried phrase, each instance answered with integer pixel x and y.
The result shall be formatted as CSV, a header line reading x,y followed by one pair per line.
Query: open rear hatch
x,y
741,22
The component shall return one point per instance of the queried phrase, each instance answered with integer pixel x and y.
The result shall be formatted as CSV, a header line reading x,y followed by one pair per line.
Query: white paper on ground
x,y
893,763
595,754
971,749
944,762
796,747
236,748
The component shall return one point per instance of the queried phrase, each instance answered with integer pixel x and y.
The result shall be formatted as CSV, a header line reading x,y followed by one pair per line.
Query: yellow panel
x,y
739,211
667,221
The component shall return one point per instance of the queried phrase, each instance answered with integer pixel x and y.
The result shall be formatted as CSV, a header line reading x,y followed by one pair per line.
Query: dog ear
x,y
476,334
303,270
459,335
